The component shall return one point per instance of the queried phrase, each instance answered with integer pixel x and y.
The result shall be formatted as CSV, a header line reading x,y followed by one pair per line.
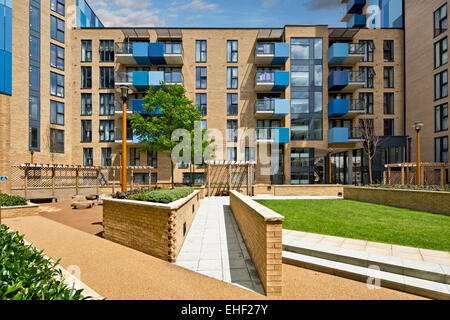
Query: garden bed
x,y
15,206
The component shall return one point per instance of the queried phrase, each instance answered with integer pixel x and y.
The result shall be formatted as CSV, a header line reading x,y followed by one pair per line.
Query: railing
x,y
118,134
124,48
356,76
264,133
265,76
355,133
357,48
357,105
173,48
265,48
123,77
265,105
173,77
118,106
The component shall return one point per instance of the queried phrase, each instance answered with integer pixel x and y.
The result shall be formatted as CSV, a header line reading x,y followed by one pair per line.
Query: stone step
x,y
425,288
405,267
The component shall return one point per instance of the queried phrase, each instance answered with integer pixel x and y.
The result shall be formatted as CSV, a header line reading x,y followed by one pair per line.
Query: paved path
x,y
402,252
214,246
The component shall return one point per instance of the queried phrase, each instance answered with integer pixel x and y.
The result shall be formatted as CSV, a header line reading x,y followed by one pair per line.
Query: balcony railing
x,y
264,134
265,105
123,77
118,106
356,76
118,134
355,133
173,48
265,76
265,48
357,105
356,48
124,48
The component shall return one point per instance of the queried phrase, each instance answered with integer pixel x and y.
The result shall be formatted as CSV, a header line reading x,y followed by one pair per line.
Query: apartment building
x,y
307,88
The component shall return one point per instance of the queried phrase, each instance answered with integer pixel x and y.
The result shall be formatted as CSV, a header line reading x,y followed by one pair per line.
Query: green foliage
x,y
12,201
411,187
27,275
162,195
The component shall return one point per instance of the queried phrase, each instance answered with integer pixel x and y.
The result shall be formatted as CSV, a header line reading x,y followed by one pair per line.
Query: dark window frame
x,y
388,50
389,103
200,79
439,21
442,150
83,106
200,50
86,77
152,159
202,107
55,145
106,133
440,118
57,62
439,53
389,130
86,46
103,106
106,51
55,113
232,108
58,3
55,22
106,77
369,101
58,86
442,85
106,157
231,51
88,157
388,77
86,131
231,79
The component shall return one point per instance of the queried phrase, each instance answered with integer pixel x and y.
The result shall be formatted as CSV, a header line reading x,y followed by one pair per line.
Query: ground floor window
x,y
193,178
441,149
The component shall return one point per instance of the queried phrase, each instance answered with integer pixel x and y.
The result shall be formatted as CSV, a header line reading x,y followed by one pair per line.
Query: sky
x,y
218,13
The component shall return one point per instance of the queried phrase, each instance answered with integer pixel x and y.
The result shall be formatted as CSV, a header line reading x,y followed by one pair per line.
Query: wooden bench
x,y
43,199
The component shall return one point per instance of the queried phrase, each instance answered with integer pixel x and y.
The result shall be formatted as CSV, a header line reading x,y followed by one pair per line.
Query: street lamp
x,y
418,126
329,165
32,156
124,95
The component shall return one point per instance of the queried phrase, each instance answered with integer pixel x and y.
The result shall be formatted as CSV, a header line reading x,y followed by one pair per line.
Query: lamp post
x,y
329,166
418,126
124,95
32,156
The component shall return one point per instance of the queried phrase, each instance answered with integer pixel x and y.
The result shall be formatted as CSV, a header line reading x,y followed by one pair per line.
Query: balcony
x,y
139,80
118,107
346,53
271,80
344,135
345,81
348,108
272,53
147,53
353,7
273,135
357,21
138,107
118,135
275,108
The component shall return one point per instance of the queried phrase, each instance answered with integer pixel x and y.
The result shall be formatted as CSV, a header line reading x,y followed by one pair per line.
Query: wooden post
x,y
132,180
114,181
98,182
389,175
53,181
76,180
418,167
442,175
407,175
403,174
425,175
229,177
150,179
384,177
26,181
248,179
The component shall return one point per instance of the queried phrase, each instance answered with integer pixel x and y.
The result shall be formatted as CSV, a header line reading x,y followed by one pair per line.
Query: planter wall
x,y
153,228
420,200
19,211
325,190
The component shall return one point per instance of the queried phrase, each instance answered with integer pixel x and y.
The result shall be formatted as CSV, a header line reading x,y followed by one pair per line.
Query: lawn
x,y
365,221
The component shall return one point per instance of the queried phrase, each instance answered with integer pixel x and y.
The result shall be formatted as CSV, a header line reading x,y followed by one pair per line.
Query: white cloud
x,y
193,5
268,3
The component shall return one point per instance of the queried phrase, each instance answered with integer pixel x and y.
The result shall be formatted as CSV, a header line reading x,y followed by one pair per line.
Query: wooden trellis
x,y
432,174
223,176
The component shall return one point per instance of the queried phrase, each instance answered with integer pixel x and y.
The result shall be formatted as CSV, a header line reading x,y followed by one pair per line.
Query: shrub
x,y
27,275
11,201
412,187
162,195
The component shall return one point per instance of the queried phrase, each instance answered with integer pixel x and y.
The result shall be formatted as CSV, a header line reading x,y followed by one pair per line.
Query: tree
x,y
205,150
168,109
370,143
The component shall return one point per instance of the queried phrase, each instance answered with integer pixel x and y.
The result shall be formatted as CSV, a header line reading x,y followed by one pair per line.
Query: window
x,y
440,20
107,104
56,85
88,157
106,77
106,157
106,130
201,101
441,53
172,75
370,47
300,48
388,103
57,29
300,129
35,18
86,77
34,78
57,6
201,78
56,56
200,53
56,141
232,154
193,178
152,159
232,51
86,131
106,50
34,138
388,127
86,104
388,49
441,85
389,77
173,47
34,108
56,112
86,51
183,165
204,124
367,98
35,49
232,77
441,149
300,102
135,157
300,76
232,104
368,74
232,130
441,118
250,154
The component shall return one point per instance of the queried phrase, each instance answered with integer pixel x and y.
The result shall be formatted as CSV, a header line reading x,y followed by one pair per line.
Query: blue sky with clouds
x,y
217,13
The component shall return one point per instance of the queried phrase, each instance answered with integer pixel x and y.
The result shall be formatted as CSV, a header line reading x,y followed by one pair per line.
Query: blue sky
x,y
217,13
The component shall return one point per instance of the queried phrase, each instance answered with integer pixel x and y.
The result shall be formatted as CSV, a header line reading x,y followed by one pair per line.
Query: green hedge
x,y
162,195
27,275
11,201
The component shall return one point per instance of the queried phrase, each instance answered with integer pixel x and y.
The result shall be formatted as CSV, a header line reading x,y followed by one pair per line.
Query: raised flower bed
x,y
15,206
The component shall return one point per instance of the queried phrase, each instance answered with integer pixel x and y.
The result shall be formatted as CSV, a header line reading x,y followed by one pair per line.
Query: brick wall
x,y
298,190
430,201
262,231
152,228
19,211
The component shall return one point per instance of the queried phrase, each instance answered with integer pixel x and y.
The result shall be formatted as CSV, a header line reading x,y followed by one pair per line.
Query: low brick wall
x,y
430,201
325,190
19,211
153,228
262,232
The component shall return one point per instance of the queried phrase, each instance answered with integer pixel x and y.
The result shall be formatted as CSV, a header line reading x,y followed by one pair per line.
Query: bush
x,y
27,275
11,201
162,195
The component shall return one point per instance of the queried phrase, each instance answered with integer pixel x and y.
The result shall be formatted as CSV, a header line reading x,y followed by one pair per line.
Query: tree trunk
x,y
370,167
173,174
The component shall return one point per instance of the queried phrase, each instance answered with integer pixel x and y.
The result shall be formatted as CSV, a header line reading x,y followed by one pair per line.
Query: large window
x,y
173,47
441,149
232,77
388,50
193,178
232,104
302,166
88,157
441,85
441,118
388,127
86,104
368,74
389,77
201,101
58,6
367,97
107,104
86,50
106,77
86,130
201,78
300,76
56,85
106,50
172,75
86,77
388,103
232,51
135,157
304,48
306,129
231,154
56,112
370,47
232,130
56,141
152,159
441,52
56,56
200,53
440,20
106,157
57,29
106,130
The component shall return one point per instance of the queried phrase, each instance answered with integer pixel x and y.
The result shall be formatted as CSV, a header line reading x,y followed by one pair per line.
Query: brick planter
x,y
420,200
325,190
19,211
153,228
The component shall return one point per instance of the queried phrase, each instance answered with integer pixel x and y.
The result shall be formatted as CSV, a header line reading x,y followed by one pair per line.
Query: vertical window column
x,y
34,120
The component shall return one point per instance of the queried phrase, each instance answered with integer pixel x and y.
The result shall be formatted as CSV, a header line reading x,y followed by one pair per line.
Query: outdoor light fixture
x,y
418,125
124,92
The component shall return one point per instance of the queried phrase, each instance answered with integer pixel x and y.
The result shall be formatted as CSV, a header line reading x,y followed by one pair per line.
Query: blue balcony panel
x,y
138,107
338,135
141,80
355,6
338,80
155,78
281,81
282,135
156,53
140,53
281,107
281,53
338,107
337,53
8,73
357,21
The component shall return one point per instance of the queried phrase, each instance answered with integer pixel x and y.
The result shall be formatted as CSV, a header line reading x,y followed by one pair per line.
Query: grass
x,y
365,221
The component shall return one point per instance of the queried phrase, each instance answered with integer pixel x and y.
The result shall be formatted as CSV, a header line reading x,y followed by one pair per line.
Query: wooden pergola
x,y
406,169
